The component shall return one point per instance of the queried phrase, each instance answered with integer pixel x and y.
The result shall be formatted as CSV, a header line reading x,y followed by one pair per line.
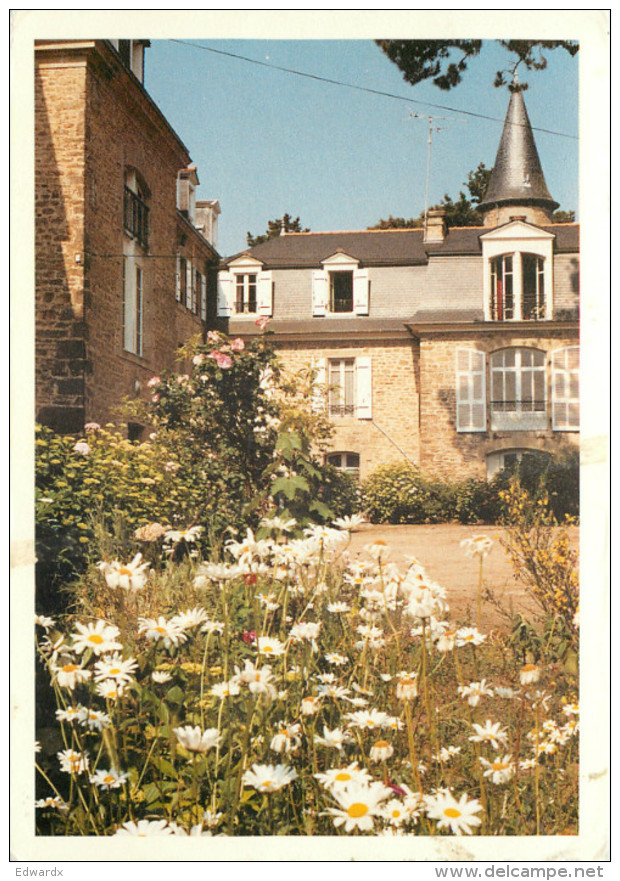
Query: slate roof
x,y
517,175
383,247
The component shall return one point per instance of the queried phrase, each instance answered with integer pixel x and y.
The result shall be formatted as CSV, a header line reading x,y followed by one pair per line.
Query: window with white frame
x,y
348,462
518,273
511,459
340,287
245,293
518,390
344,386
133,305
565,389
244,289
341,391
517,287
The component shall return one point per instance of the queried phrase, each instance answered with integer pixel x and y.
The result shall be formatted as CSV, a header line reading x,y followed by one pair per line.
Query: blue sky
x,y
266,142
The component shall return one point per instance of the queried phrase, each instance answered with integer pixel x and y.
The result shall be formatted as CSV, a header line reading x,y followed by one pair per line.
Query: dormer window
x,y
341,287
518,273
245,289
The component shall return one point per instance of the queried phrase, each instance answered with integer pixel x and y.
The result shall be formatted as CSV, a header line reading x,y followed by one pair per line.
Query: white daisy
x,y
459,816
269,778
99,637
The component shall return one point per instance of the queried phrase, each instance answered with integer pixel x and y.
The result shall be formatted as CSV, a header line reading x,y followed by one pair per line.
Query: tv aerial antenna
x,y
432,127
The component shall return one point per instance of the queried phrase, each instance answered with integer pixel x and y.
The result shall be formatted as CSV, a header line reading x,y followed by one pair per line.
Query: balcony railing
x,y
518,415
136,218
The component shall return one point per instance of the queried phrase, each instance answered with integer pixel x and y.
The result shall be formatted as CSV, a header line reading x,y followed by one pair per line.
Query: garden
x,y
214,660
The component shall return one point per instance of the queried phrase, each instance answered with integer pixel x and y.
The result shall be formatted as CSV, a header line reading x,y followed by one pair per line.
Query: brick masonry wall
x,y
59,236
450,454
392,434
90,127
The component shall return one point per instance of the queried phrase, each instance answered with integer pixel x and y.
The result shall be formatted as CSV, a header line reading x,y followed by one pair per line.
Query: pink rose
x,y
237,345
92,426
224,362
82,448
262,322
153,381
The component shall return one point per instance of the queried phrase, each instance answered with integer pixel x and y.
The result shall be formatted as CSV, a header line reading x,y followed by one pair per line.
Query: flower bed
x,y
286,689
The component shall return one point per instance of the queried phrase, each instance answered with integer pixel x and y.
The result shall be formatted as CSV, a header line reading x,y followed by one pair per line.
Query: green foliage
x,y
100,481
399,493
275,228
229,440
445,61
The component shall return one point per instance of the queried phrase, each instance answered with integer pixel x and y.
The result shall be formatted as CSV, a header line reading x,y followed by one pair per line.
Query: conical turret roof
x,y
517,176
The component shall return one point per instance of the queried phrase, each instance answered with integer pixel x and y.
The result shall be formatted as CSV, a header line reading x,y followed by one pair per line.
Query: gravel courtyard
x,y
437,547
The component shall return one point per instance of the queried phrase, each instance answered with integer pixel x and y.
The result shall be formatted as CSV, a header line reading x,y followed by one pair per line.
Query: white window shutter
x,y
470,390
363,387
320,293
565,389
129,304
225,288
264,293
203,298
319,367
361,288
177,280
189,285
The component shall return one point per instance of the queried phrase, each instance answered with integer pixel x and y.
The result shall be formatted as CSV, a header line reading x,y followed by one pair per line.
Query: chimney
x,y
435,227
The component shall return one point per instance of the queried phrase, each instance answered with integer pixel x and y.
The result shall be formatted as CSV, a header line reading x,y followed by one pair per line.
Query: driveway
x,y
437,548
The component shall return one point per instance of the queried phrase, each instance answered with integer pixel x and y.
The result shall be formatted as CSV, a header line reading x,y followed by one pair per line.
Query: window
x,y
349,462
132,305
502,288
518,272
181,288
341,387
340,288
470,390
341,291
522,275
533,304
245,287
348,382
518,390
510,459
135,210
565,389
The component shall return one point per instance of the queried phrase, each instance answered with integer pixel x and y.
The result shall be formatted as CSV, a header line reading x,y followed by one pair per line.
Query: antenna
x,y
431,128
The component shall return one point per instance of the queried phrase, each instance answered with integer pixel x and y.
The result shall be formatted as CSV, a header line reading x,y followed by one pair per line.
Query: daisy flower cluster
x,y
290,688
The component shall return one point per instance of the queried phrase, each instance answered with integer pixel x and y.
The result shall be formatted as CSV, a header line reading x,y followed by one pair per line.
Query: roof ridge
x,y
339,232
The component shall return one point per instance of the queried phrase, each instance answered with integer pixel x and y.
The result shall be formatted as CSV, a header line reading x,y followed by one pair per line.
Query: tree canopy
x,y
464,210
445,61
274,229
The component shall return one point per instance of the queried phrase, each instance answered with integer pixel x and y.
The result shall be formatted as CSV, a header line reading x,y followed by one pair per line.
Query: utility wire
x,y
323,79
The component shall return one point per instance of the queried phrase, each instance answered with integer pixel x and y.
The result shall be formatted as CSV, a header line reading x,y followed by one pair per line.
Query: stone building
x,y
454,349
125,255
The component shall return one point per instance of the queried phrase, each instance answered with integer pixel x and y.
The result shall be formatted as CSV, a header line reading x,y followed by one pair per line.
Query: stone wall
x,y
392,433
450,454
92,123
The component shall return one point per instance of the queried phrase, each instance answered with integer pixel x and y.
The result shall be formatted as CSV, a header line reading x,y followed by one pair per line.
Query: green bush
x,y
395,493
399,493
